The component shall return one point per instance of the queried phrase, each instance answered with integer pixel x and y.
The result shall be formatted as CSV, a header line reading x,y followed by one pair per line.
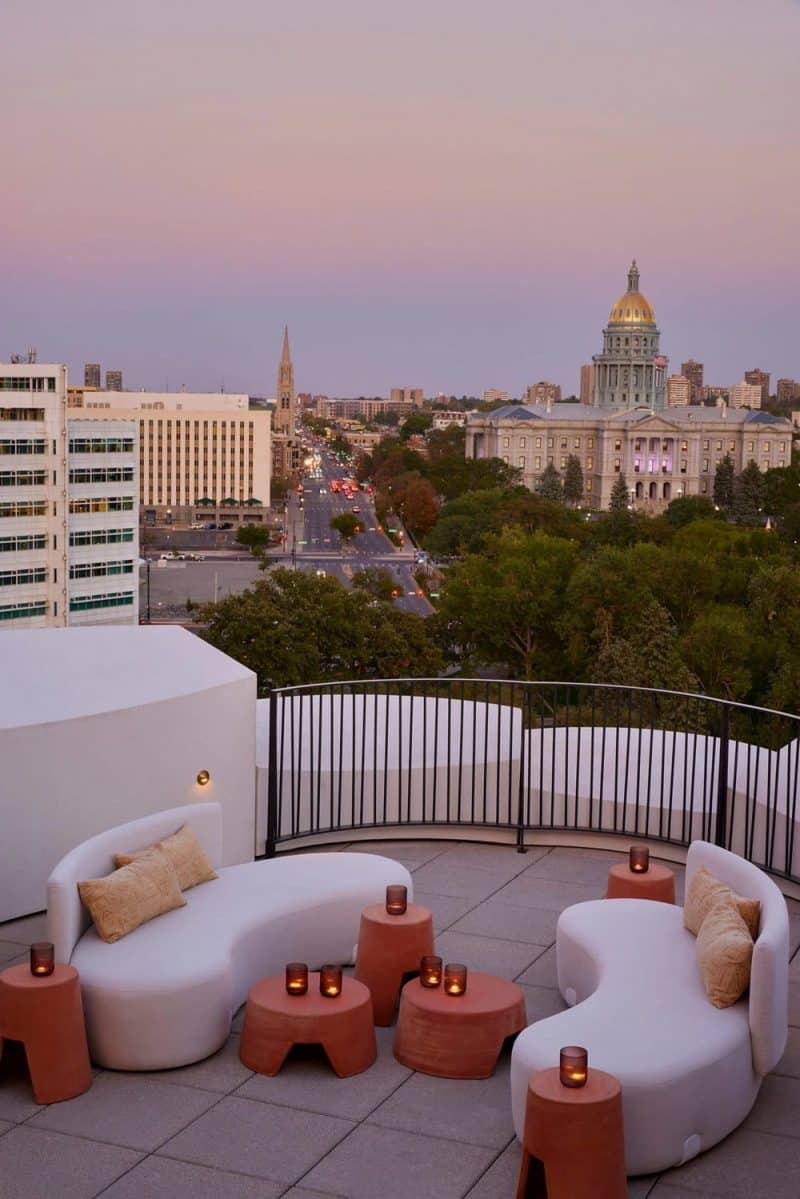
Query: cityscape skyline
x,y
364,179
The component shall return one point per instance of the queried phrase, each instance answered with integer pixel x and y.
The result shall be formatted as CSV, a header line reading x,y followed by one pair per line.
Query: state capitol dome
x,y
632,308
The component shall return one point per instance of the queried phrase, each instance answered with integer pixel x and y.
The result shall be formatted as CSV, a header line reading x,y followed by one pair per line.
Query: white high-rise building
x,y
745,395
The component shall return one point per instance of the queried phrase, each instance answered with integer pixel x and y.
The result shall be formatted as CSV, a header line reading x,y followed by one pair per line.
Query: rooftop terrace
x,y
216,1131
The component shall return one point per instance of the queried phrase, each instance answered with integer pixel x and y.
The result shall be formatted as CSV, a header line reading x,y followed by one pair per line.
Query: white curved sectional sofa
x,y
689,1072
165,994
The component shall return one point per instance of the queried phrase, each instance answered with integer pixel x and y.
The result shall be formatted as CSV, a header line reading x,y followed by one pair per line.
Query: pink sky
x,y
447,197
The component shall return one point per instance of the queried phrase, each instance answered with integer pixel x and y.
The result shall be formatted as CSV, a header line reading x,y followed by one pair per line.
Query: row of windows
x,y
537,443
101,445
81,603
21,413
94,570
23,445
101,474
30,574
23,508
26,383
100,536
116,503
23,478
31,541
20,611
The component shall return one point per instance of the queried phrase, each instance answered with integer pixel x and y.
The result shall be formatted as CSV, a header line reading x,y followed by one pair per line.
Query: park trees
x,y
549,486
255,537
347,526
378,583
573,481
724,477
620,498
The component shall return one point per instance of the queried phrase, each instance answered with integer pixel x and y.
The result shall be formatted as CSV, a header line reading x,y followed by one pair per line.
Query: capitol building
x,y
627,429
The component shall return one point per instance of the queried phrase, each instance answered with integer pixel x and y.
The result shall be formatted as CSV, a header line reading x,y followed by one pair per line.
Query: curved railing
x,y
405,756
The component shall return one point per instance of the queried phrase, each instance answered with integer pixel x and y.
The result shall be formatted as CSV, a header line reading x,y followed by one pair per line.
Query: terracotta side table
x,y
46,1014
388,948
657,882
275,1021
458,1036
573,1146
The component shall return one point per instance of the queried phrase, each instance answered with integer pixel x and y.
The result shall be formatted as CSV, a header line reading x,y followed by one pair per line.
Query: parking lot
x,y
174,583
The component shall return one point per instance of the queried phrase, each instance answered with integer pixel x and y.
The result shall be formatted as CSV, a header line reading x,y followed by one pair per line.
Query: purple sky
x,y
448,197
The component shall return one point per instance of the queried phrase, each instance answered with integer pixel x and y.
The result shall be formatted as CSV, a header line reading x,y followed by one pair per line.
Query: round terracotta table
x,y
657,882
388,948
458,1036
275,1021
46,1014
573,1146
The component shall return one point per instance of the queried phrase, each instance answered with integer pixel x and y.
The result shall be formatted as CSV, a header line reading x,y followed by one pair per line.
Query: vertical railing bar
x,y
272,813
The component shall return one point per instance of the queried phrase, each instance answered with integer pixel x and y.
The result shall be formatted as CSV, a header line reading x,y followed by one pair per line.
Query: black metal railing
x,y
403,755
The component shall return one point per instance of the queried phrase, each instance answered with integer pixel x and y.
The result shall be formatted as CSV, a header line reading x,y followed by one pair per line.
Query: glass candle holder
x,y
330,981
43,958
455,978
573,1068
396,899
638,859
430,971
296,978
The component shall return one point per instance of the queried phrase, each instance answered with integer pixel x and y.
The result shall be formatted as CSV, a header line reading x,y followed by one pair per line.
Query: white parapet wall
x,y
101,725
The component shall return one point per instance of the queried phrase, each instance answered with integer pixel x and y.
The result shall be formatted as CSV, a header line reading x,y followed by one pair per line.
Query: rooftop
x,y
216,1130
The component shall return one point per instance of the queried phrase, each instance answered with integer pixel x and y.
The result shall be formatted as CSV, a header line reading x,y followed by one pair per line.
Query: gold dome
x,y
632,308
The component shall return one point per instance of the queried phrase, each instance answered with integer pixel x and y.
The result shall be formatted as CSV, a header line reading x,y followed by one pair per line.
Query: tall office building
x,y
745,395
630,371
493,395
678,391
113,380
760,379
587,383
543,393
91,375
693,371
407,395
788,391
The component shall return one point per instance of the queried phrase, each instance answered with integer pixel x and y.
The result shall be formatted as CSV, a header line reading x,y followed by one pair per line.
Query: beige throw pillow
x,y
705,891
122,901
186,854
724,954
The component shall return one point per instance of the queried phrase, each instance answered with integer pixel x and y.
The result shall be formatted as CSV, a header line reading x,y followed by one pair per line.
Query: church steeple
x,y
633,277
286,397
286,358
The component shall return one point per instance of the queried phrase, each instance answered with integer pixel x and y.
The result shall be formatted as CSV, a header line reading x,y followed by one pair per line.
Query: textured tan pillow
x,y
724,954
122,901
705,891
186,854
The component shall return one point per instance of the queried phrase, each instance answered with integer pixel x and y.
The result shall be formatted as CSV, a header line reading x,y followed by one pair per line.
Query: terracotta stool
x,y
275,1021
388,948
657,882
46,1014
573,1146
458,1036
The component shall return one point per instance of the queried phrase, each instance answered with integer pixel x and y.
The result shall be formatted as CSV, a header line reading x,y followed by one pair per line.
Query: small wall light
x,y
573,1069
203,778
296,978
396,900
455,978
638,859
330,981
43,958
430,971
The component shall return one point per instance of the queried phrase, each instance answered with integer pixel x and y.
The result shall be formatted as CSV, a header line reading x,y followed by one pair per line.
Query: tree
x,y
549,485
748,494
573,481
620,497
378,583
347,525
416,502
255,537
686,508
723,484
416,422
648,656
718,649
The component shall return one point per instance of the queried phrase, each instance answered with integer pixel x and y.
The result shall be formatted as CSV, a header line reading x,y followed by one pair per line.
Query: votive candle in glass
x,y
330,981
43,958
455,978
396,899
573,1068
430,971
638,859
296,978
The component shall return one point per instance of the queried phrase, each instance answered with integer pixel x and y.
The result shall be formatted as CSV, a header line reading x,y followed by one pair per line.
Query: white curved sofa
x,y
689,1072
164,995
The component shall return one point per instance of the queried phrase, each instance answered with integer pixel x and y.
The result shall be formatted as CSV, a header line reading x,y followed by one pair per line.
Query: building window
x,y
22,611
505,459
706,445
23,478
705,464
505,443
563,462
81,603
537,464
102,474
750,447
538,443
29,541
588,485
577,443
522,443
563,443
617,465
684,466
549,443
590,463
23,445
617,446
101,445
521,461
18,578
590,443
719,445
24,508
766,447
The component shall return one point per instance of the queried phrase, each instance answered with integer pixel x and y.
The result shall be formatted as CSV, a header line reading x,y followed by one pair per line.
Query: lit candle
x,y
638,859
430,971
455,978
396,900
573,1067
330,981
43,958
296,978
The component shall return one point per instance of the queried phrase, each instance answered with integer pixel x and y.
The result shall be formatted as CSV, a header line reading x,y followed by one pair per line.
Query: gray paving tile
x,y
586,866
746,1165
445,909
501,1177
543,971
5,1127
541,1002
503,858
126,1109
307,1082
553,895
395,1165
416,851
163,1178
456,879
504,958
303,1193
776,1108
35,1163
509,922
790,1062
16,1094
476,1111
223,1072
26,929
259,1139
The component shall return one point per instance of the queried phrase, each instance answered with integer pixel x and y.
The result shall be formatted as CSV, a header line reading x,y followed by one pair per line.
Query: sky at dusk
x,y
447,196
